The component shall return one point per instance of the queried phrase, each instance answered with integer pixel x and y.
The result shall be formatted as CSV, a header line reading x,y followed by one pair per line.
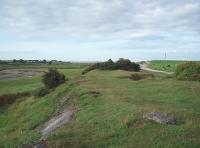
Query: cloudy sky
x,y
94,30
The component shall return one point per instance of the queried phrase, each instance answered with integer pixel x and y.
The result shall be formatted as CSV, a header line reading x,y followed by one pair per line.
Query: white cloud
x,y
95,18
99,25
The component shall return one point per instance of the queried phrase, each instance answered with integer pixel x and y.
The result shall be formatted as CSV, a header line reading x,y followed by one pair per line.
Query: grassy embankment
x,y
21,121
113,118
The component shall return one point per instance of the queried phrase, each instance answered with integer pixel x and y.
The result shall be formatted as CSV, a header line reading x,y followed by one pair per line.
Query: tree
x,y
44,61
21,61
14,60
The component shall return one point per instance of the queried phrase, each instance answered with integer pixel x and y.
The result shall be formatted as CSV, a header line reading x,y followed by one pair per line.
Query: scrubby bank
x,y
188,71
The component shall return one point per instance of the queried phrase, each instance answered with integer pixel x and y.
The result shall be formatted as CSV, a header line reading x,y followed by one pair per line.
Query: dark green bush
x,y
126,64
53,78
188,71
123,64
42,92
108,65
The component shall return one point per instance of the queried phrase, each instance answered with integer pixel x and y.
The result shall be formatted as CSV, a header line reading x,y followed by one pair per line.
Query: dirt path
x,y
145,65
56,122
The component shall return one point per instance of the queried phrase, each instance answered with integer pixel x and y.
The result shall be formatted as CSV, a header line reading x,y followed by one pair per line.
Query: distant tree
x,y
21,61
3,62
14,60
44,61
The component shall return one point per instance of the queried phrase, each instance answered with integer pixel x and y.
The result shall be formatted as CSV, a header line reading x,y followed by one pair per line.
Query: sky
x,y
96,30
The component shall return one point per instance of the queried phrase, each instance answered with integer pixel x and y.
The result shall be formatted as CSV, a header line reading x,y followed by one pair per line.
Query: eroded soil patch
x,y
12,74
57,122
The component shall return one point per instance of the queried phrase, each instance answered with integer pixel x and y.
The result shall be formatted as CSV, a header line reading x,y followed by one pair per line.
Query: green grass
x,y
21,122
20,85
102,121
169,66
71,73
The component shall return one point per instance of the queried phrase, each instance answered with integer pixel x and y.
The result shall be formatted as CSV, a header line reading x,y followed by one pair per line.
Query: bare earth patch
x,y
56,122
12,74
160,118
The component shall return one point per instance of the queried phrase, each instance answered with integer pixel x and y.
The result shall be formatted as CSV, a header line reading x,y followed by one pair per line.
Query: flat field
x,y
42,66
169,66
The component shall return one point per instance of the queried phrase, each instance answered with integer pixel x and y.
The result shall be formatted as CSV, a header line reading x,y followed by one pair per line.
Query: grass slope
x,y
21,121
114,118
111,119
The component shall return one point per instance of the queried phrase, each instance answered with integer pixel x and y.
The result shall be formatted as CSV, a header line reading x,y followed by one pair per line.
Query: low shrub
x,y
123,64
42,92
53,78
168,65
188,71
